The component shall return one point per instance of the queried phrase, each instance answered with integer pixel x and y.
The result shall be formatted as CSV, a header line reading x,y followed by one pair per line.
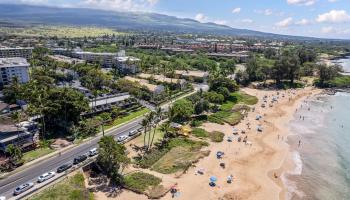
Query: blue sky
x,y
318,18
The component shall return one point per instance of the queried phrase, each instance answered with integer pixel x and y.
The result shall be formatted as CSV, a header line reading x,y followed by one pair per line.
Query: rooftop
x,y
200,74
16,48
126,58
162,78
143,82
11,62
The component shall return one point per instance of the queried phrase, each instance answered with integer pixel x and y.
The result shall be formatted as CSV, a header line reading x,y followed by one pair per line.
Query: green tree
x,y
112,158
14,152
181,110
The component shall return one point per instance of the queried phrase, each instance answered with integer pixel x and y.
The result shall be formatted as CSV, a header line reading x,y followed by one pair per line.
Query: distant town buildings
x,y
16,52
104,59
13,67
127,64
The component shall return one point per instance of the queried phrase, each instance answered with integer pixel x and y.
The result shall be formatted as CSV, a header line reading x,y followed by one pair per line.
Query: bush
x,y
200,133
214,119
216,136
140,181
150,158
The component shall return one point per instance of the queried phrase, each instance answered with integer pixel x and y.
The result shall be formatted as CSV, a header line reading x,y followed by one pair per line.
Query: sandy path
x,y
253,167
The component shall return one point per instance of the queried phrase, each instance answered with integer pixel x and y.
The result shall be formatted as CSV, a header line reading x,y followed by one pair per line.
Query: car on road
x,y
64,167
93,152
79,159
46,176
23,188
133,132
122,138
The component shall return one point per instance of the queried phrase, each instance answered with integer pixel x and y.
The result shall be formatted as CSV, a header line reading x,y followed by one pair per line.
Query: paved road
x,y
31,174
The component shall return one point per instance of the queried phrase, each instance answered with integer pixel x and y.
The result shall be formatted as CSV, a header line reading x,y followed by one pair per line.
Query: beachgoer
x,y
299,143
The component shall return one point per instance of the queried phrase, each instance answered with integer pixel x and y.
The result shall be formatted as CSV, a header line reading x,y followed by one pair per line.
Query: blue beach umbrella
x,y
213,179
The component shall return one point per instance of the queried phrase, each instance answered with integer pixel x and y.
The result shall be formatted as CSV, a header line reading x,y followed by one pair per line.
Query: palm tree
x,y
144,124
166,129
158,113
150,118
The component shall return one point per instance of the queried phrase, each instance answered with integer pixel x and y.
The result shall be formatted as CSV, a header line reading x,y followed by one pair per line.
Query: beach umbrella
x,y
213,179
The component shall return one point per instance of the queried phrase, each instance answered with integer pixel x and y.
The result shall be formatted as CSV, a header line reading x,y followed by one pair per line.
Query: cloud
x,y
328,29
236,10
201,17
334,16
285,23
332,1
266,12
220,22
302,22
301,2
337,31
248,21
124,5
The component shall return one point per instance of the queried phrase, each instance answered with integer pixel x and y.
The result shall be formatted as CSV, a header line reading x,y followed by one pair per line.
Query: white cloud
x,y
334,16
124,5
285,23
34,1
236,10
220,22
332,1
328,29
336,31
301,2
201,17
302,22
248,21
266,12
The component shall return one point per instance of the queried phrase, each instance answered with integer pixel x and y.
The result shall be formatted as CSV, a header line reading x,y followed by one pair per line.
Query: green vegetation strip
x,y
141,181
71,188
128,118
37,153
216,136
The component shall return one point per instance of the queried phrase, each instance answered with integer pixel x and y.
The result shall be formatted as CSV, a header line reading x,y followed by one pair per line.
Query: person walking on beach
x,y
299,143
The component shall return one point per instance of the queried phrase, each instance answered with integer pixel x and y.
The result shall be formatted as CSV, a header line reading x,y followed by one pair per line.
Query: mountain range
x,y
28,14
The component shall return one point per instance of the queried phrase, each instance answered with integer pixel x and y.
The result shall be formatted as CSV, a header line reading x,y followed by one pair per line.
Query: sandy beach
x,y
256,167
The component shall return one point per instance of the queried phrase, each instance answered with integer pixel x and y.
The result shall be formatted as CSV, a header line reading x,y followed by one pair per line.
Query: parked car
x,y
133,132
79,159
64,167
122,138
23,188
46,176
93,152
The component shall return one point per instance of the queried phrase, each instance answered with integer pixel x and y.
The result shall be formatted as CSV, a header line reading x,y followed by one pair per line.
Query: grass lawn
x,y
200,133
37,153
178,159
181,154
127,118
234,118
140,181
71,188
157,136
226,113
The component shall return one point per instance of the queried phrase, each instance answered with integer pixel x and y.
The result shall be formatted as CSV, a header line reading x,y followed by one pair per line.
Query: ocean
x,y
322,172
345,63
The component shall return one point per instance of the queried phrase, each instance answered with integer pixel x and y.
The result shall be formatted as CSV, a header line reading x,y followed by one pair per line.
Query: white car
x,y
122,138
2,198
93,152
23,188
46,176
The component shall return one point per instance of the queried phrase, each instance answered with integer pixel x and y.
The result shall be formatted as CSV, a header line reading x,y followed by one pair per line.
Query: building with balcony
x,y
13,67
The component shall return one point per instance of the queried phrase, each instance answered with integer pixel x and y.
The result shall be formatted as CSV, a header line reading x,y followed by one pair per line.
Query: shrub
x,y
140,181
216,136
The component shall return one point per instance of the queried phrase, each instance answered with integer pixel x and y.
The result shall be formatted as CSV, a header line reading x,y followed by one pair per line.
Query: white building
x,y
13,67
128,64
16,52
105,59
